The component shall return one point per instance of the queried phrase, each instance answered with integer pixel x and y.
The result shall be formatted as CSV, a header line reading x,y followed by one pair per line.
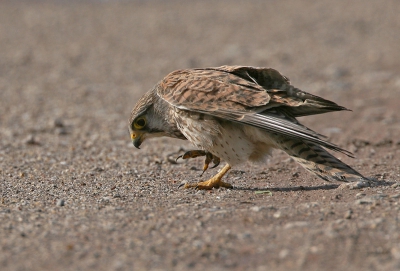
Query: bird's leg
x,y
196,153
214,182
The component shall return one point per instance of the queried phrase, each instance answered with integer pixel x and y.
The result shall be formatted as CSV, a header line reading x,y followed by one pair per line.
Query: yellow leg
x,y
214,182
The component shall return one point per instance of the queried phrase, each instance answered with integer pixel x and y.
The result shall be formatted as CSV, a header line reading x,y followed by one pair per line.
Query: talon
x,y
196,153
180,156
192,154
214,182
209,158
216,161
205,167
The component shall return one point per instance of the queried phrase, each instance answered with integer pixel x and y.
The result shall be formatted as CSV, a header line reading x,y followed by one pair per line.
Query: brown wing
x,y
259,97
211,89
296,102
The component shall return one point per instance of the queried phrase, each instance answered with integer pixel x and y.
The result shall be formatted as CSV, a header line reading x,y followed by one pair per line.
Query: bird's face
x,y
147,120
138,130
146,125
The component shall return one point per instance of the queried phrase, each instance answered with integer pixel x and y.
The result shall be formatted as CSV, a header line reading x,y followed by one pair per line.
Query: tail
x,y
317,160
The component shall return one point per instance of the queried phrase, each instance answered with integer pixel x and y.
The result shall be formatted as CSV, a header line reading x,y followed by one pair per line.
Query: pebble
x,y
373,223
371,199
31,140
255,208
355,185
277,214
395,251
365,201
395,185
347,215
61,131
60,202
360,195
296,224
59,123
283,253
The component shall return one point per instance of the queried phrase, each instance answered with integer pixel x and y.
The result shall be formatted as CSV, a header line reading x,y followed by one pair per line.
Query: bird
x,y
238,114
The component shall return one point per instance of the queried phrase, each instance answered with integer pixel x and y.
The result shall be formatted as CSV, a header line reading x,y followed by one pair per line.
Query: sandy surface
x,y
76,195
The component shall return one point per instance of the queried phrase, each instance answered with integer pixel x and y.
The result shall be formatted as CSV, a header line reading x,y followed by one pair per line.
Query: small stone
x,y
30,140
283,253
395,251
244,236
359,143
365,201
60,202
61,131
255,208
277,214
360,195
355,185
395,185
296,224
378,196
59,123
395,196
347,215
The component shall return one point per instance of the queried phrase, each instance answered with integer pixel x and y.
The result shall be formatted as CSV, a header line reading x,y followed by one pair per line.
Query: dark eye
x,y
140,123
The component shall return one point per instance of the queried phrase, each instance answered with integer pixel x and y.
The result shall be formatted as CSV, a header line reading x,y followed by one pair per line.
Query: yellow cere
x,y
133,136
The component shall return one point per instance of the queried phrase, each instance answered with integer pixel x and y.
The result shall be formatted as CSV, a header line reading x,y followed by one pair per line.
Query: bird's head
x,y
146,119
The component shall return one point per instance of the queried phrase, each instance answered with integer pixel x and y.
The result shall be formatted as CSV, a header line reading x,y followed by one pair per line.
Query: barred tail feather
x,y
317,160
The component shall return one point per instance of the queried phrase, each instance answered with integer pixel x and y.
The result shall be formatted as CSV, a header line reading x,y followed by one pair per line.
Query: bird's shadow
x,y
288,189
374,183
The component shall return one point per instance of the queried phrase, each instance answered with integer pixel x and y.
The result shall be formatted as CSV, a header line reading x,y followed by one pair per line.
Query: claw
x,y
196,153
216,161
209,158
180,156
191,154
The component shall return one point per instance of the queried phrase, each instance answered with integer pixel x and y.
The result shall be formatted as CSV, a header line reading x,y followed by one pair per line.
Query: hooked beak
x,y
137,139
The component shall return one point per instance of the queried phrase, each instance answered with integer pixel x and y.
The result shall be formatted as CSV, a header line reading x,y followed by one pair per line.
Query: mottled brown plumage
x,y
238,114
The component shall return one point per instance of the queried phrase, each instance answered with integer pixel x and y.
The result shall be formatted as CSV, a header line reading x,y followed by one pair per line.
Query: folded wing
x,y
260,97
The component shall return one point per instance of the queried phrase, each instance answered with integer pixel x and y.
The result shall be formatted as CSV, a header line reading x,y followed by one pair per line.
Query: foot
x,y
209,158
214,182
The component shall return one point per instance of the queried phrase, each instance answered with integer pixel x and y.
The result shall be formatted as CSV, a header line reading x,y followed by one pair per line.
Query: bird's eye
x,y
139,123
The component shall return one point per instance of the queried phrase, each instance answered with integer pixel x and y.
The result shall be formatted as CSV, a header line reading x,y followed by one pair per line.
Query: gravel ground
x,y
76,195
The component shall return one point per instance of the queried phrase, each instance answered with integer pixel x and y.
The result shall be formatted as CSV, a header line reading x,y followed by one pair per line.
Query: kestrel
x,y
238,114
